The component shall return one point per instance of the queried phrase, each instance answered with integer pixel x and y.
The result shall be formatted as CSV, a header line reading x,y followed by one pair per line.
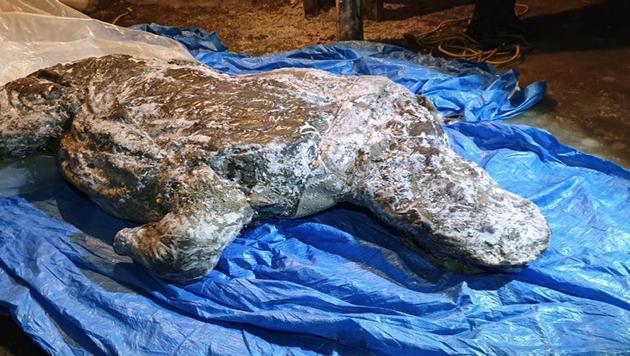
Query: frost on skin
x,y
196,155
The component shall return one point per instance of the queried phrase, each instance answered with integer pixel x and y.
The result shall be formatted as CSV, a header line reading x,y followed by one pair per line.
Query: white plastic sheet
x,y
35,34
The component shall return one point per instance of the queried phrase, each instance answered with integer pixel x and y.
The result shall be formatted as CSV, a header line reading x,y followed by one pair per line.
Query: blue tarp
x,y
338,282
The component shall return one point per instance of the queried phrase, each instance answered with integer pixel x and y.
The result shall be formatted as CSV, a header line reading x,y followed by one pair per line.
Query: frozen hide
x,y
196,155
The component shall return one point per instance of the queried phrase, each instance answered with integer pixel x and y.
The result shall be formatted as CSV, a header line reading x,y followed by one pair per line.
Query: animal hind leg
x,y
205,213
449,206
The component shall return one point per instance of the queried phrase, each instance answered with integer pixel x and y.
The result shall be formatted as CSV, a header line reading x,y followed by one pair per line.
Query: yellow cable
x,y
461,45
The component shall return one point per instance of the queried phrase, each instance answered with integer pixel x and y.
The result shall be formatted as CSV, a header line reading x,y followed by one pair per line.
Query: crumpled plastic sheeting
x,y
337,282
36,34
467,90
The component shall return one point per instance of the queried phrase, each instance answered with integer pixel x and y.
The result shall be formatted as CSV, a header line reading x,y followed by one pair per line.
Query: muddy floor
x,y
581,48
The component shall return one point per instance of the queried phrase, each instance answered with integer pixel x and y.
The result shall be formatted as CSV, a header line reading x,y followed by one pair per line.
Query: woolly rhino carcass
x,y
195,156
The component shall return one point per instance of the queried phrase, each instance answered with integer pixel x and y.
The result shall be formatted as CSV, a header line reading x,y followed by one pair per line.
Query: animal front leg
x,y
205,213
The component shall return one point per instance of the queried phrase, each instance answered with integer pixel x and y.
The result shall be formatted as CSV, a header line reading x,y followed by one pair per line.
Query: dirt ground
x,y
581,48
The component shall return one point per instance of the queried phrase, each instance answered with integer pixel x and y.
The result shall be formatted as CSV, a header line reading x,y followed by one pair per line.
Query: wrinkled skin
x,y
195,155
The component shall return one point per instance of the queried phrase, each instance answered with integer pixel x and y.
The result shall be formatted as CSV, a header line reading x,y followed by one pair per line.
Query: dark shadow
x,y
31,174
411,8
14,341
546,106
76,209
597,26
